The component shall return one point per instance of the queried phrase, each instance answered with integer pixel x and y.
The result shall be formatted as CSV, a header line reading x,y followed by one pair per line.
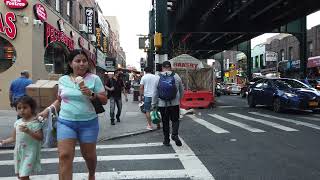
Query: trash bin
x,y
136,92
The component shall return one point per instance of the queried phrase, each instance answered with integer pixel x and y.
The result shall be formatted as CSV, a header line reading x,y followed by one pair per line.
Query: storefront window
x,y
7,55
55,58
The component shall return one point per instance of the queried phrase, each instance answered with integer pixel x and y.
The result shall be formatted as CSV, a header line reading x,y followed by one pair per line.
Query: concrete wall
x,y
23,46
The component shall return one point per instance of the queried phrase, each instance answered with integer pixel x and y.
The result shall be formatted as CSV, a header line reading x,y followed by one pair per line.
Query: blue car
x,y
283,93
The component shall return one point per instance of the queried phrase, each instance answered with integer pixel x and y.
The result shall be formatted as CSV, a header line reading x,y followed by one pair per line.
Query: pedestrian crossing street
x,y
244,120
122,161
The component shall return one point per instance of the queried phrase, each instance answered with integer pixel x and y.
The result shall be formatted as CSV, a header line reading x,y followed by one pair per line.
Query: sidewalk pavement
x,y
133,122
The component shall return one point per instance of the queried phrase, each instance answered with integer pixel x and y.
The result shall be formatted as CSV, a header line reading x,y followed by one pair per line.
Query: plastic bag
x,y
155,116
49,129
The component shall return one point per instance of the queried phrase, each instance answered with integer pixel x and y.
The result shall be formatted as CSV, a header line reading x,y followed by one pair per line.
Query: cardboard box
x,y
44,92
33,89
55,77
49,89
46,101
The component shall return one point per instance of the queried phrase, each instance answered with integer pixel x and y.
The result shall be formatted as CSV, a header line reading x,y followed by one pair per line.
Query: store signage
x,y
271,56
40,12
105,44
51,34
98,36
101,58
313,62
81,42
89,19
110,64
185,65
16,4
7,25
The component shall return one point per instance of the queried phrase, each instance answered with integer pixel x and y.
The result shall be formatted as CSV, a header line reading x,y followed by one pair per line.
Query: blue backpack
x,y
167,87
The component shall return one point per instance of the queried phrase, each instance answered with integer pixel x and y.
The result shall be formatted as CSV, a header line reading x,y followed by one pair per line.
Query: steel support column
x,y
302,37
150,54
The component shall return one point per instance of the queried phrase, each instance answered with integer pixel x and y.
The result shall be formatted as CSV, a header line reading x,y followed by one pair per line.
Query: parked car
x,y
283,93
235,89
225,89
312,82
245,87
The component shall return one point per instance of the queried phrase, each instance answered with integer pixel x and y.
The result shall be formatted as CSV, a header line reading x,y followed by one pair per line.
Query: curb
x,y
104,139
127,135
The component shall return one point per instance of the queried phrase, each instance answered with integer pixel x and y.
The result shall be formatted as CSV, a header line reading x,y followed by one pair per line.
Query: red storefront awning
x,y
313,62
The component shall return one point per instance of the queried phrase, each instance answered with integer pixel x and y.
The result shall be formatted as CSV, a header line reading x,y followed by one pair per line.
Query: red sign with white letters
x,y
51,34
8,26
40,12
16,4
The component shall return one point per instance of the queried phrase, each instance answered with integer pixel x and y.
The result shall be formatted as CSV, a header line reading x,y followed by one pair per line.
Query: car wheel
x,y
251,102
277,105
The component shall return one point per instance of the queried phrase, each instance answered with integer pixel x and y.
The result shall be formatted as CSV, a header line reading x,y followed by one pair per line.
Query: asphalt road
x,y
228,142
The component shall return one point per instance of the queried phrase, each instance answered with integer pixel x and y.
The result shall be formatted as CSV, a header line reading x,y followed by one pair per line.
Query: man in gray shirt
x,y
167,98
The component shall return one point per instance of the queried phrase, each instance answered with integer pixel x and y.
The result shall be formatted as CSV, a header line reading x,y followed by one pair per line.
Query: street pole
x,y
161,26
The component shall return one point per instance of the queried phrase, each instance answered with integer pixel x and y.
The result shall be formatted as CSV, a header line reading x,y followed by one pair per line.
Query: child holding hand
x,y
27,135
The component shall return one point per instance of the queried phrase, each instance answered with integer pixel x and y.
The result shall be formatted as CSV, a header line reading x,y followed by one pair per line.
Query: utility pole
x,y
161,32
150,52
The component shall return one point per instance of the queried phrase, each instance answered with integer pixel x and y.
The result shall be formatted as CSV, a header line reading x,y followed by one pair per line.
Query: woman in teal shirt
x,y
78,120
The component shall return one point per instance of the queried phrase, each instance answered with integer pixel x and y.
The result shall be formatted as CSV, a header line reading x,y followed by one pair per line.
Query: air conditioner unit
x,y
92,38
83,28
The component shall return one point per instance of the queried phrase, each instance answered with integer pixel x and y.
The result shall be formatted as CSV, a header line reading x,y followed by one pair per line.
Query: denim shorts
x,y
83,131
147,104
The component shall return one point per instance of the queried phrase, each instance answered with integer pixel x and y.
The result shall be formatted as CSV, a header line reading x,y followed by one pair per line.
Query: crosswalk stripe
x,y
311,118
116,146
208,125
192,164
148,174
235,123
226,106
272,124
317,115
288,120
105,158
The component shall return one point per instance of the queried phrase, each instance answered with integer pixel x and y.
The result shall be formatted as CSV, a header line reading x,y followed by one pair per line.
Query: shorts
x,y
83,131
147,104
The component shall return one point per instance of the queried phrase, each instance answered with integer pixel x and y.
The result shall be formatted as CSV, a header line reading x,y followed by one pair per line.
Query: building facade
x,y
38,38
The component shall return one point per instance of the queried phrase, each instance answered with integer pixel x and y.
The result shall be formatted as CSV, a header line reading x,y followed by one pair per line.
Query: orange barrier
x,y
197,99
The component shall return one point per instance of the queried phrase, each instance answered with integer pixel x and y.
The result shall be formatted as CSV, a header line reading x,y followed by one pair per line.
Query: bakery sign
x,y
7,25
52,34
16,4
40,12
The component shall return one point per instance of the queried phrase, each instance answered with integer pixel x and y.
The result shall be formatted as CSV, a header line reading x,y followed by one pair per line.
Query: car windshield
x,y
288,84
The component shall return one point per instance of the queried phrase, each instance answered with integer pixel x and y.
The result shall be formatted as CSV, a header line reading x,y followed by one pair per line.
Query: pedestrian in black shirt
x,y
115,87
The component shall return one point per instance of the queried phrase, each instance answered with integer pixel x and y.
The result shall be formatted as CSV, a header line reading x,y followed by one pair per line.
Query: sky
x,y
133,17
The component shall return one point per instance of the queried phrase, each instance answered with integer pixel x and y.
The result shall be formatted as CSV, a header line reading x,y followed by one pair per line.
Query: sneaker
x,y
177,140
149,128
166,143
112,123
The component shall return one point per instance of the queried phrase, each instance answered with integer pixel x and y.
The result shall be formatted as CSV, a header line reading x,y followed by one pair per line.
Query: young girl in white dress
x,y
27,135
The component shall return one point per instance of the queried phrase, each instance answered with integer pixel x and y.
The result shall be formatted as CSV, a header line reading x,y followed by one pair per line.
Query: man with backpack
x,y
167,98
